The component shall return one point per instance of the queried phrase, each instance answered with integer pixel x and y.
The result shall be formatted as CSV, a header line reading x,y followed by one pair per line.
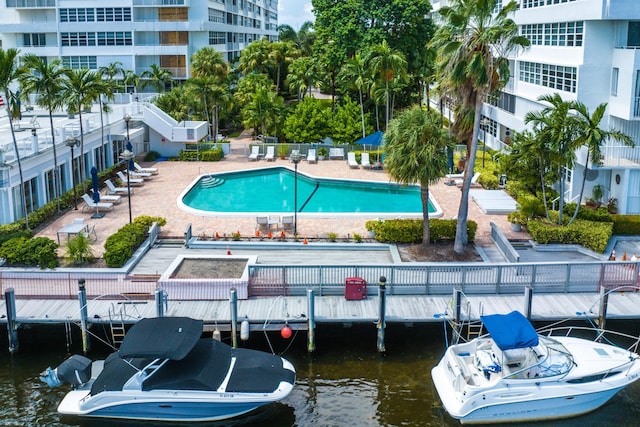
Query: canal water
x,y
344,383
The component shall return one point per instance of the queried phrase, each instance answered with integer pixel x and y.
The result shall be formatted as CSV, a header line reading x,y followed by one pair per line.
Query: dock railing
x,y
402,279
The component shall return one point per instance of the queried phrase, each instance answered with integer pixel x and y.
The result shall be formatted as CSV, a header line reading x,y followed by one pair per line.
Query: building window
x,y
78,62
113,14
528,4
77,39
217,37
216,16
115,38
633,34
552,76
614,81
77,15
34,39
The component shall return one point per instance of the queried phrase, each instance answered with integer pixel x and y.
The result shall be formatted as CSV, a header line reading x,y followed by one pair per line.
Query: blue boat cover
x,y
511,330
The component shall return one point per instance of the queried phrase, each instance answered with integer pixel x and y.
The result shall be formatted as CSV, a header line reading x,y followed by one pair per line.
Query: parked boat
x,y
515,373
165,371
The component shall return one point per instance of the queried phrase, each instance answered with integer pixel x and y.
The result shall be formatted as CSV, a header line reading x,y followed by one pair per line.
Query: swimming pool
x,y
271,190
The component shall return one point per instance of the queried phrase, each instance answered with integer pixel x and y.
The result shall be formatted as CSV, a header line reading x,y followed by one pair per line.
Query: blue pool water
x,y
271,190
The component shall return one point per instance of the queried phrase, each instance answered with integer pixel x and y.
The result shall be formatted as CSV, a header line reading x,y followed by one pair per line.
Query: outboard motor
x,y
76,371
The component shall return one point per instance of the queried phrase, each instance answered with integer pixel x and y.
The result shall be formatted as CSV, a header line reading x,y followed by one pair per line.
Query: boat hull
x,y
163,406
524,405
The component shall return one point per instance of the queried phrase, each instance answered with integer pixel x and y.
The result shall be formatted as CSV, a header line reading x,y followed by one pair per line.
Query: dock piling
x,y
381,311
84,316
604,303
161,302
233,299
457,313
528,301
311,319
12,329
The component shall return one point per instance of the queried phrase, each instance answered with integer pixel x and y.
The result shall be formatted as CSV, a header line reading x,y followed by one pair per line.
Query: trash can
x,y
355,288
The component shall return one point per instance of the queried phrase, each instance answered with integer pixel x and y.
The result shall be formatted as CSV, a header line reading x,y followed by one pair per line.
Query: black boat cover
x,y
161,337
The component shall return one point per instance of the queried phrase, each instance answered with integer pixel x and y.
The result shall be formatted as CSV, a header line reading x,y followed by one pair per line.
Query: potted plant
x,y
322,153
612,205
282,152
596,193
516,218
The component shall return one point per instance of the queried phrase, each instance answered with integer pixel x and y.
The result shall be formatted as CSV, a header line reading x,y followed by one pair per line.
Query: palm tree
x,y
108,86
556,134
281,53
263,111
416,151
156,77
81,87
208,62
213,94
44,79
255,57
112,71
388,63
131,79
302,75
593,136
355,74
303,39
9,72
473,44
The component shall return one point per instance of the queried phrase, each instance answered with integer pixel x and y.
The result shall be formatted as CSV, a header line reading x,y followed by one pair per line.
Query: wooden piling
x,y
457,313
311,319
160,302
84,316
12,329
604,303
528,301
233,299
381,312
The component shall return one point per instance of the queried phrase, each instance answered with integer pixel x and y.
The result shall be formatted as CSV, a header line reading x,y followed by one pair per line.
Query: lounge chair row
x,y
266,223
364,160
270,154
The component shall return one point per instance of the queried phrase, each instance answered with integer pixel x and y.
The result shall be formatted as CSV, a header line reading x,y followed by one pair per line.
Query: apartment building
x,y
92,34
586,50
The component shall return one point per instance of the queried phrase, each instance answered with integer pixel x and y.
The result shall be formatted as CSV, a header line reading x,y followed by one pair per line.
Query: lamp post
x,y
127,155
126,119
295,158
72,142
483,123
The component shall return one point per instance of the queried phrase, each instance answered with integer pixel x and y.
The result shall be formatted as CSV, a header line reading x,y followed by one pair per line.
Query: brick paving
x,y
158,197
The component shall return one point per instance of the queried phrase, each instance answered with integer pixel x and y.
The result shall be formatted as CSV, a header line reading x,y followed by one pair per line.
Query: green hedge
x,y
410,230
591,234
212,155
600,214
626,225
120,246
40,251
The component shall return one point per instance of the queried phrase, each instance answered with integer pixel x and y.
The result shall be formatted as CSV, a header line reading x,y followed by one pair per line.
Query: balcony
x,y
618,157
31,3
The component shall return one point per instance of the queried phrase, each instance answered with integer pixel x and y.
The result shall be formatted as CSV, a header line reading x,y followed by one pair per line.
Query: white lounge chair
x,y
140,169
474,180
90,204
311,156
262,223
143,175
112,189
364,161
110,198
132,181
255,153
336,153
351,159
286,221
271,153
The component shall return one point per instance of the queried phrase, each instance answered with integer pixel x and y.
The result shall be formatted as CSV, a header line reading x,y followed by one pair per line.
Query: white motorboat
x,y
515,373
165,371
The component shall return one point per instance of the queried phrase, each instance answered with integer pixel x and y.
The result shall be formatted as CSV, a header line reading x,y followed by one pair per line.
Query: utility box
x,y
355,288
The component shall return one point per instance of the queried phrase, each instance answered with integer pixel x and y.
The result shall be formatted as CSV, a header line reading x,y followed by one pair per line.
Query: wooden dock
x,y
329,309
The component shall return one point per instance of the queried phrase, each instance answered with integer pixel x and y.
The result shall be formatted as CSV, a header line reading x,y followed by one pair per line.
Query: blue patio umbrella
x,y
375,140
130,166
95,187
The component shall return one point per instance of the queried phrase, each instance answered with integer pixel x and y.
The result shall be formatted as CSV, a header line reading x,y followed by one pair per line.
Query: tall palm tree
x,y
280,54
45,80
473,44
9,73
593,136
213,95
255,57
156,77
263,111
81,87
109,85
131,79
388,63
208,62
112,71
355,74
416,151
556,129
302,75
303,39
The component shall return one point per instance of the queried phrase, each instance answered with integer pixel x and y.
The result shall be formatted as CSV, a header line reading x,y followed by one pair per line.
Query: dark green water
x,y
345,383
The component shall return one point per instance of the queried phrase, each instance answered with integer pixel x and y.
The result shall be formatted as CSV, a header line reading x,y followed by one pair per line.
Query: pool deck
x,y
159,195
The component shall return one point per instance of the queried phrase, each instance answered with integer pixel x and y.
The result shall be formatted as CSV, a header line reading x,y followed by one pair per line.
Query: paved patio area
x,y
158,197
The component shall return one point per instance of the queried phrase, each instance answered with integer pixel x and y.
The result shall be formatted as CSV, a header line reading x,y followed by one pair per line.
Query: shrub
x,y
590,234
600,214
40,251
410,230
626,225
79,249
212,155
120,246
151,156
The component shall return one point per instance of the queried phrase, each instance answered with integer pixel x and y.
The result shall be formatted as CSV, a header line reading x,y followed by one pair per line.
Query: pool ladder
x,y
116,325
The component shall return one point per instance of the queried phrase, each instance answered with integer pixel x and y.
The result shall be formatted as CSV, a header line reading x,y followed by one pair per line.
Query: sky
x,y
294,13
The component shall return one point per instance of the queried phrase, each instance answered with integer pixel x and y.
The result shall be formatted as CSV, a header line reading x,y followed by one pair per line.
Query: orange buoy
x,y
285,332
217,235
257,233
269,234
228,251
304,242
282,235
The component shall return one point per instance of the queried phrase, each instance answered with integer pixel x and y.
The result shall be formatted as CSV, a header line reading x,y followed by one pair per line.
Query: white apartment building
x,y
586,50
92,34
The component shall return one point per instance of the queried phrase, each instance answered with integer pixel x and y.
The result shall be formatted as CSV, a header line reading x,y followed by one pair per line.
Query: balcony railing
x,y
620,156
636,106
31,3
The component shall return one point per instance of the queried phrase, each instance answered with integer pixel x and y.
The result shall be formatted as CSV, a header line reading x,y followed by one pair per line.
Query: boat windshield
x,y
548,359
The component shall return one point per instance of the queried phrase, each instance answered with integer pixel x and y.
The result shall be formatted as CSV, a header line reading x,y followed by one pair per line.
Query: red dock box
x,y
355,288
